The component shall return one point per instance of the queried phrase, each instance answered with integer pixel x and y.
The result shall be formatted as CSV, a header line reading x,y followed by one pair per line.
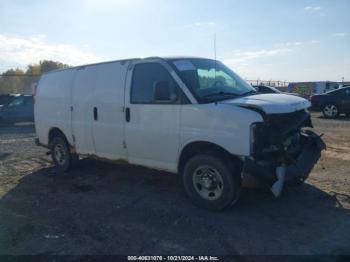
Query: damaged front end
x,y
283,150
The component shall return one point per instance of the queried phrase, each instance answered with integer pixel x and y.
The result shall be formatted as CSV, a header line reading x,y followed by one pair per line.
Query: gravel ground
x,y
103,208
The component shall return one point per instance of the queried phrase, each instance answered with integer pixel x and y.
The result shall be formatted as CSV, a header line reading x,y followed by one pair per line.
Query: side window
x,y
263,89
328,86
144,79
346,92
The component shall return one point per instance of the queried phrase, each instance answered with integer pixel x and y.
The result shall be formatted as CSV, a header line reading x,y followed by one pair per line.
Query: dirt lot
x,y
102,208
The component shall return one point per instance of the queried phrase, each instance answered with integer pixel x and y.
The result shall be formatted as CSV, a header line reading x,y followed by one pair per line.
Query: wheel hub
x,y
60,154
331,110
208,182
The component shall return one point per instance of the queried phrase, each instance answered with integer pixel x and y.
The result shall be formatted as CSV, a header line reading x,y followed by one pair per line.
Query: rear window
x,y
342,91
18,101
21,101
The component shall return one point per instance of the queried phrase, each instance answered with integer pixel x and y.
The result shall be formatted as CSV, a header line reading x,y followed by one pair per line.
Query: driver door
x,y
152,129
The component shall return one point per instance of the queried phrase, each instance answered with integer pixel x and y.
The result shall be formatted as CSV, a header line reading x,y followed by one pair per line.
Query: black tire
x,y
295,183
330,111
230,178
68,160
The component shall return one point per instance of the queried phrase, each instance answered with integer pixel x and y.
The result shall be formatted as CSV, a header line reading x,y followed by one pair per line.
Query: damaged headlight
x,y
257,133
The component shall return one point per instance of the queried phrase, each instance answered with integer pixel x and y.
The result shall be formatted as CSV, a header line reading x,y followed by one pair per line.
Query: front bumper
x,y
298,167
315,107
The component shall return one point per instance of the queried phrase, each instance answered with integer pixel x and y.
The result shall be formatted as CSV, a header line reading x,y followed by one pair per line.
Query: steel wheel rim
x,y
60,154
208,182
331,110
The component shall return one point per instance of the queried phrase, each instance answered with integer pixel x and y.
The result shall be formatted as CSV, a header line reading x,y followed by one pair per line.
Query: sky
x,y
300,40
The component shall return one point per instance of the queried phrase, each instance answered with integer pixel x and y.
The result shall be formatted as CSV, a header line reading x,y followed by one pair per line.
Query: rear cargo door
x,y
82,109
106,110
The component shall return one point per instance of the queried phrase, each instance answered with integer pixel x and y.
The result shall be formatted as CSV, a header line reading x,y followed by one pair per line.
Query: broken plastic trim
x,y
275,129
297,171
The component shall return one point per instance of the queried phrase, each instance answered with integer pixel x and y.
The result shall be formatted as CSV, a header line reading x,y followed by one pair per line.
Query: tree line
x,y
18,81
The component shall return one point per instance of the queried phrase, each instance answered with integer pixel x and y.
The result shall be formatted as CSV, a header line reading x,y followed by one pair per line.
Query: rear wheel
x,y
211,181
61,154
330,111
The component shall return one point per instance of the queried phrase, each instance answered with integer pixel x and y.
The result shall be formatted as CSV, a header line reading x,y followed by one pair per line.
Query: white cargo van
x,y
191,116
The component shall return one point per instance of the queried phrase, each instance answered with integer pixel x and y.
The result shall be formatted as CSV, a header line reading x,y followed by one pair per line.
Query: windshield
x,y
274,89
210,81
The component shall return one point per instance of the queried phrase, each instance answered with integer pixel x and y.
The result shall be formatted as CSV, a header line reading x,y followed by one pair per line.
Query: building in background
x,y
307,89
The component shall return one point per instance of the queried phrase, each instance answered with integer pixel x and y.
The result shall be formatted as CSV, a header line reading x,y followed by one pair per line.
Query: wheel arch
x,y
55,131
195,147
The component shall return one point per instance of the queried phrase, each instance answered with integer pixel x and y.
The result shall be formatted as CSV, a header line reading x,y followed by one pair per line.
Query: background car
x,y
332,103
264,89
19,109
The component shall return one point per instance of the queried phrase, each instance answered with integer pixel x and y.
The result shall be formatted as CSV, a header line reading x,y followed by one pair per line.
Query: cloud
x,y
315,41
297,43
290,44
339,34
312,8
200,24
242,57
27,50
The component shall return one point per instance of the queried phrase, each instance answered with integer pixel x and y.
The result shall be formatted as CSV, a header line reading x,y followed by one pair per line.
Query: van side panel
x,y
227,126
52,104
108,130
82,115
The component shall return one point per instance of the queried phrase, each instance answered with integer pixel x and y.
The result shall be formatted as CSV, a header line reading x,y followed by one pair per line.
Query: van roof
x,y
126,60
80,66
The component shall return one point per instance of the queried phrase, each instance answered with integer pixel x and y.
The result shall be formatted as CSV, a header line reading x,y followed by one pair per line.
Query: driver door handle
x,y
127,114
95,114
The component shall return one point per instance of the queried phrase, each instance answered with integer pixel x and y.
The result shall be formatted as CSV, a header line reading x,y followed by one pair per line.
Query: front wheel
x,y
212,182
61,154
330,111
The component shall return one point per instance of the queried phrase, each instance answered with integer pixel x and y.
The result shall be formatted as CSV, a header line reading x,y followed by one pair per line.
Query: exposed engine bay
x,y
279,133
284,149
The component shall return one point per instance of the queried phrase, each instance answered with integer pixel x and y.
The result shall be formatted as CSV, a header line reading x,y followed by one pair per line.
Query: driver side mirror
x,y
163,93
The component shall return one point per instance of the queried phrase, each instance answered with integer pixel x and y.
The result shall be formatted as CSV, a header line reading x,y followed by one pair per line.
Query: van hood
x,y
271,103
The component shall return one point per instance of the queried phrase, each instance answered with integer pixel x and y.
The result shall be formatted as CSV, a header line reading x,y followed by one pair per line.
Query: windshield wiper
x,y
220,94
